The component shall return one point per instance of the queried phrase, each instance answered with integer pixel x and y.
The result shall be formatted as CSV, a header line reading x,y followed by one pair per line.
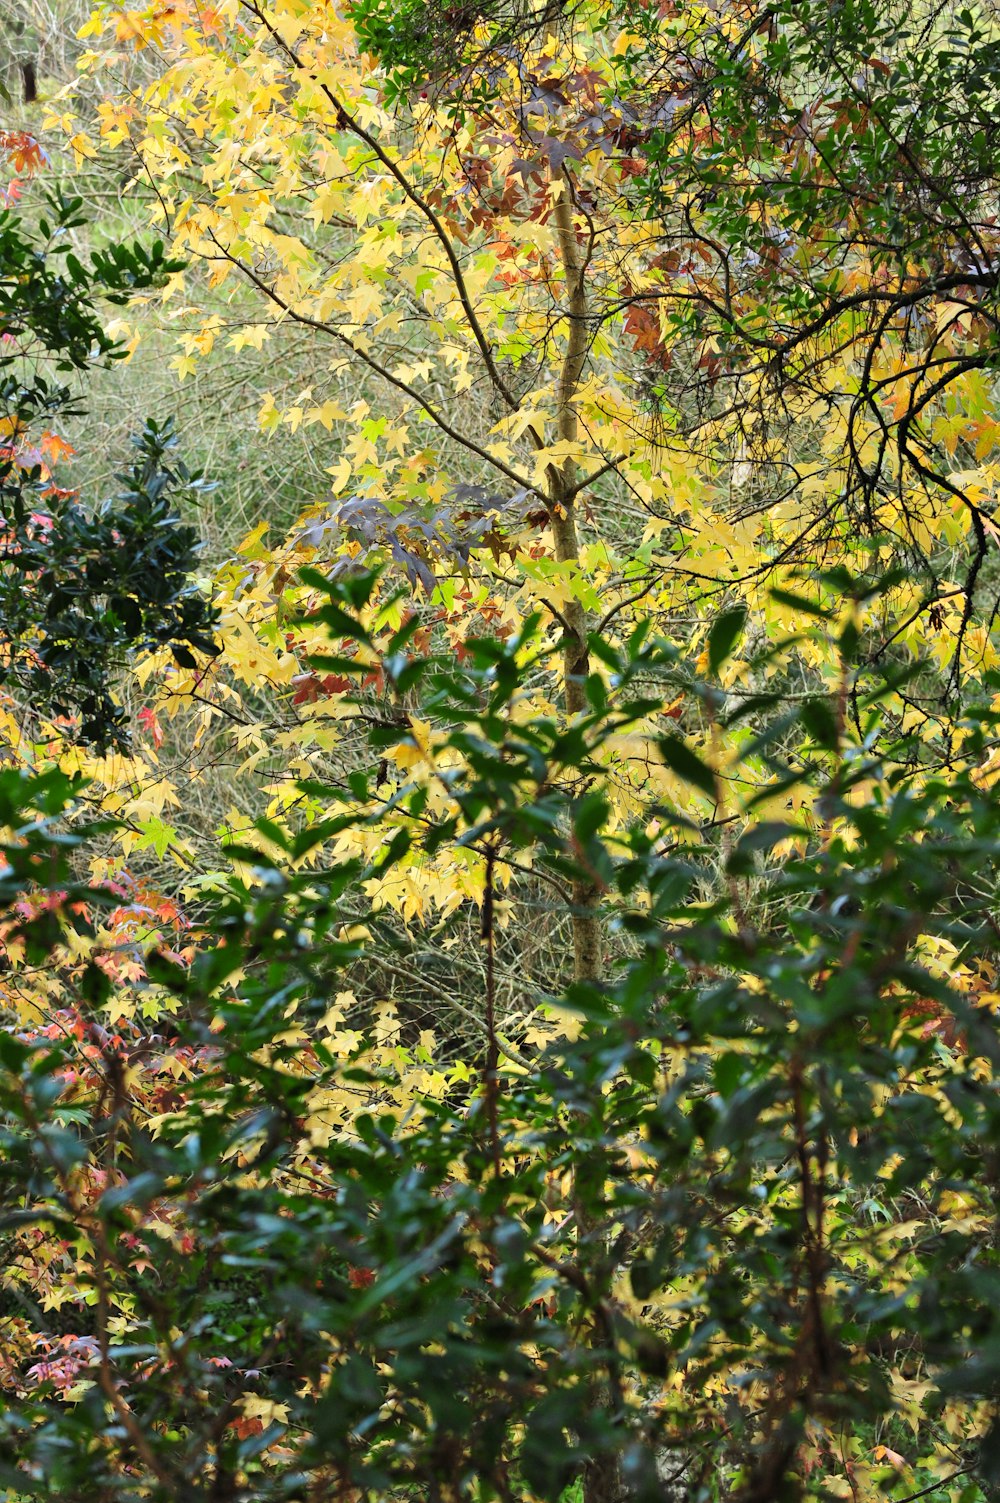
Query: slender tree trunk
x,y
562,480
602,1479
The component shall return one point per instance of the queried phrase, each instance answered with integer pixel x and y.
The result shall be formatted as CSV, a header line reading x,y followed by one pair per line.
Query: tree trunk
x,y
602,1478
562,511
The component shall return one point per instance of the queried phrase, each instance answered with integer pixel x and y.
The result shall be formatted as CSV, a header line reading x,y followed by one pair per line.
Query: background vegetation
x,y
498,918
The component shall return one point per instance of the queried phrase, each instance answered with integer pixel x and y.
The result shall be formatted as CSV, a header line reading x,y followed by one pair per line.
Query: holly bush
x,y
730,1229
83,586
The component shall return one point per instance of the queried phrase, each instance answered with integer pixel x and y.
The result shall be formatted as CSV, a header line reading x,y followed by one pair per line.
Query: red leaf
x,y
149,721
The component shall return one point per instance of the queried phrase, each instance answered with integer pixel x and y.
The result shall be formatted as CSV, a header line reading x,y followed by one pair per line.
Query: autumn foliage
x,y
499,969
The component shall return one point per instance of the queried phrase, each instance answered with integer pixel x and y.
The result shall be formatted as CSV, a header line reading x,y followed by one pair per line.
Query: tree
x,y
80,590
837,256
551,185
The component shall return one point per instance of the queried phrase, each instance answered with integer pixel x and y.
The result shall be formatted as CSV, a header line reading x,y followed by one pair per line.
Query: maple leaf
x,y
24,152
55,448
149,720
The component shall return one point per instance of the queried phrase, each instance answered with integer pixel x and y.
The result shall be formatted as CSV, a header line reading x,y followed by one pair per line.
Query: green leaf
x,y
682,760
800,603
724,635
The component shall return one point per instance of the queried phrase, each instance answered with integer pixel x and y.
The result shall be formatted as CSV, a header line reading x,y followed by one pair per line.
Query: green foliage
x,y
413,40
429,46
48,300
844,162
83,588
418,1299
82,591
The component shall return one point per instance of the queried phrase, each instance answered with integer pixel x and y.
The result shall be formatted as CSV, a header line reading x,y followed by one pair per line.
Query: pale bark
x,y
602,1479
562,509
